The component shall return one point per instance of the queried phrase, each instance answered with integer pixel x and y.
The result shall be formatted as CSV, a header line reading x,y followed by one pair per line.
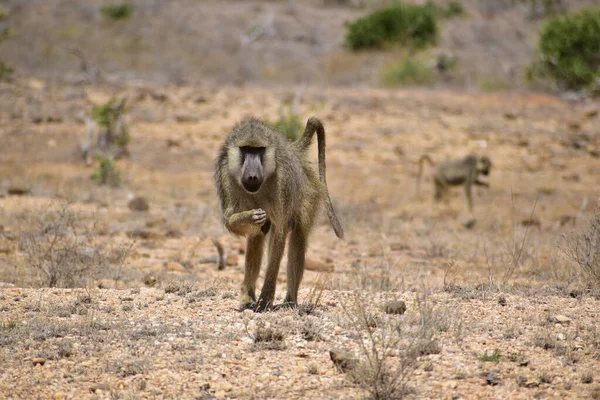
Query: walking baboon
x,y
267,185
456,172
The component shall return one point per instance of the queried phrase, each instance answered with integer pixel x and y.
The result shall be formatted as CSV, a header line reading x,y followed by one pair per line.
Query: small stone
x,y
531,222
492,378
149,280
397,307
561,336
38,361
174,234
319,266
342,360
399,246
59,396
590,112
502,301
469,223
175,266
232,260
531,384
18,191
99,388
138,204
560,319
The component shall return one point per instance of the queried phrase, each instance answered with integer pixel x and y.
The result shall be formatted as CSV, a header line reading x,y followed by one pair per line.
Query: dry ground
x,y
121,341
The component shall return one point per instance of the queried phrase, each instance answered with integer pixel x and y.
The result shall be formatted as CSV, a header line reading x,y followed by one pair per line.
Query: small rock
x,y
18,191
590,112
173,143
99,388
531,384
149,280
159,96
59,396
397,307
560,319
399,246
181,117
319,266
138,204
175,266
174,233
343,361
510,115
38,361
232,260
141,234
492,378
561,336
574,125
469,223
502,301
200,99
532,221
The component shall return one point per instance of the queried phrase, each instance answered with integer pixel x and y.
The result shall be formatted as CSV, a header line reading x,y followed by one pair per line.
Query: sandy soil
x,y
501,284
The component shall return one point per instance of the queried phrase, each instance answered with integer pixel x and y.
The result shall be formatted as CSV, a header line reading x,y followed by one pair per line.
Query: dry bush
x,y
62,251
390,349
584,249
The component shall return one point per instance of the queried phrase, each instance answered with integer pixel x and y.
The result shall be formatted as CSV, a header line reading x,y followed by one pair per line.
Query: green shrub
x,y
291,125
453,9
408,71
109,117
106,173
5,71
569,47
403,23
117,11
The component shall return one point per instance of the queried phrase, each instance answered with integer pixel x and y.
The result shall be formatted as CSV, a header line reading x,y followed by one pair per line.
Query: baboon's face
x,y
252,171
485,165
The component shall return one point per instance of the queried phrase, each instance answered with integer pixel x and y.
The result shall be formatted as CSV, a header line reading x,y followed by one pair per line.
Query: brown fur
x,y
464,171
288,201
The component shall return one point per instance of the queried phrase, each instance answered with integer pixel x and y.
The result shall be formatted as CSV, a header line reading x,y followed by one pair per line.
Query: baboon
x,y
456,172
267,185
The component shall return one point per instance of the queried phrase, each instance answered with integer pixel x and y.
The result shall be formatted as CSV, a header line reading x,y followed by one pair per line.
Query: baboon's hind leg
x,y
295,265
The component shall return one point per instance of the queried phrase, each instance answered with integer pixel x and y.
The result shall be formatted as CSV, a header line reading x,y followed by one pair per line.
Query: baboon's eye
x,y
246,150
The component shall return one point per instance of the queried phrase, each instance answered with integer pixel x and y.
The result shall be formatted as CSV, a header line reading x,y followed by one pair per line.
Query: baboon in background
x,y
456,172
267,185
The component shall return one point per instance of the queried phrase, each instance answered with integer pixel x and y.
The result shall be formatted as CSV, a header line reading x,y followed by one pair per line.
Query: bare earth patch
x,y
494,309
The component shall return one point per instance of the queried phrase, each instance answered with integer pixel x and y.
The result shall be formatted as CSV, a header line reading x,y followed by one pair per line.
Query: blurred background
x,y
474,44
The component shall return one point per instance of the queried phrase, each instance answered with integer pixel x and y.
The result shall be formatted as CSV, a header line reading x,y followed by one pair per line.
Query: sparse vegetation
x,y
290,124
569,47
117,11
113,138
107,172
584,249
404,24
62,253
390,350
493,357
409,71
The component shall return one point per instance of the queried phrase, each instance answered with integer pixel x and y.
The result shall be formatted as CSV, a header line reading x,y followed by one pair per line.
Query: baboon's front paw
x,y
259,216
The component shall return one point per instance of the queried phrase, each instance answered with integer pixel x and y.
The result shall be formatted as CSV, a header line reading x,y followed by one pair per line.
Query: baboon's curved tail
x,y
424,157
314,125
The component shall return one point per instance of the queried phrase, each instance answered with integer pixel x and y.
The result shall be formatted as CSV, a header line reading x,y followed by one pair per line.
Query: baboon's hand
x,y
259,216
